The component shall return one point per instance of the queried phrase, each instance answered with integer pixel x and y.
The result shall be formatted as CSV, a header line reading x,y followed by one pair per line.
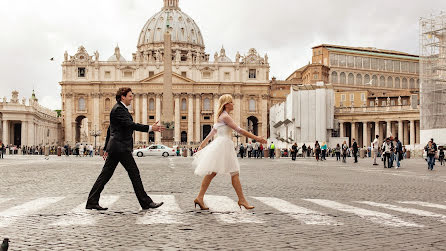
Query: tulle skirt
x,y
217,157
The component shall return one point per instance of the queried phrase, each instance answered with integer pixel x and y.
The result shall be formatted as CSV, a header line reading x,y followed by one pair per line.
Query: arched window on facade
x,y
252,105
342,78
418,84
390,82
382,81
207,104
107,104
412,83
151,136
358,79
183,104
334,77
351,79
404,83
374,80
151,105
81,106
366,79
397,82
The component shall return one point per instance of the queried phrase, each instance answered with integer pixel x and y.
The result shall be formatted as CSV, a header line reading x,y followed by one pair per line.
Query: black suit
x,y
355,151
119,145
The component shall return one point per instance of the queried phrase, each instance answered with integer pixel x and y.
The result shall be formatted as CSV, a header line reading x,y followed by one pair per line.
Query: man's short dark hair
x,y
122,92
377,136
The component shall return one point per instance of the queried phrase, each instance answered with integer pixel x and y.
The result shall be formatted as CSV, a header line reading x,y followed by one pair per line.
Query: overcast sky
x,y
34,31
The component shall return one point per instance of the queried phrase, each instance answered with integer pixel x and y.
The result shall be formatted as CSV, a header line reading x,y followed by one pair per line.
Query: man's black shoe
x,y
96,207
153,205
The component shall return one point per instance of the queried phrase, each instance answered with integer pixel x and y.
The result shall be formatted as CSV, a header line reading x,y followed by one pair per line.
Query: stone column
x,y
406,133
412,132
24,133
365,135
137,117
145,136
190,119
73,136
96,110
30,127
341,129
158,117
167,86
400,131
388,126
394,129
216,97
69,133
5,137
264,110
417,132
197,117
237,108
177,135
353,132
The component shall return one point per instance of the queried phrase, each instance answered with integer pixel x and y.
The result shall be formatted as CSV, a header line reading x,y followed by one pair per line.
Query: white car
x,y
155,150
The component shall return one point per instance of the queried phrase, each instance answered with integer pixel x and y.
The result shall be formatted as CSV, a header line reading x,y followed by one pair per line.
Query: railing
x,y
394,108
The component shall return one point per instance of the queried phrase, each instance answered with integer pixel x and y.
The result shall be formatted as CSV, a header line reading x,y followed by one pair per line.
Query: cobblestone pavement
x,y
305,205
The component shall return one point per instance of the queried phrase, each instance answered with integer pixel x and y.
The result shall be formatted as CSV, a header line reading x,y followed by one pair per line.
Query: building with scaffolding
x,y
433,79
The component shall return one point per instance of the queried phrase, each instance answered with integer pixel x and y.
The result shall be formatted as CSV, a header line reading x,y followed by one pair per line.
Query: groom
x,y
118,148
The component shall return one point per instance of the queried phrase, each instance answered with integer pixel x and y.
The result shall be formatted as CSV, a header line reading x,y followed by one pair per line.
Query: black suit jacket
x,y
120,132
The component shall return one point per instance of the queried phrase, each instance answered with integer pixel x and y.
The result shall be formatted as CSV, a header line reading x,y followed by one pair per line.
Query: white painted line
x,y
376,217
2,200
12,214
168,213
80,216
228,211
406,210
424,204
302,214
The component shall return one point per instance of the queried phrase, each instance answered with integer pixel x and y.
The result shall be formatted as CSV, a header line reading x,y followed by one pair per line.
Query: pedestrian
x,y
344,151
272,148
255,149
392,153
304,151
338,152
355,150
431,151
324,150
2,149
261,151
317,149
249,148
242,151
294,151
398,152
218,157
118,149
387,150
441,155
375,149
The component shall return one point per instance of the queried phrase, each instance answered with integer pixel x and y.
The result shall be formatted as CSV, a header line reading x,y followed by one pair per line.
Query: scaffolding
x,y
433,72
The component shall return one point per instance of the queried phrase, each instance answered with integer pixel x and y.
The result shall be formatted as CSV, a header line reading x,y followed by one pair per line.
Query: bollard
x,y
5,245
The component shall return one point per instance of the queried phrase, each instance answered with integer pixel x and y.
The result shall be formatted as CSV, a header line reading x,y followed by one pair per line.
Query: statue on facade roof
x,y
266,58
376,101
96,56
388,101
65,56
237,57
215,57
399,100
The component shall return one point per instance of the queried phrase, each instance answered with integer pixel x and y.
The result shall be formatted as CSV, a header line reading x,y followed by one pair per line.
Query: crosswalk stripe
x,y
424,204
168,213
10,215
228,211
305,215
81,216
406,210
376,217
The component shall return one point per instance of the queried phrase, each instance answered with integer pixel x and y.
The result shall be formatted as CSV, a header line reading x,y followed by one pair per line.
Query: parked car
x,y
155,150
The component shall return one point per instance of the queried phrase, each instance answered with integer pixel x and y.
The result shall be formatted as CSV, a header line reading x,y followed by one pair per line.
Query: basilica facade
x,y
198,79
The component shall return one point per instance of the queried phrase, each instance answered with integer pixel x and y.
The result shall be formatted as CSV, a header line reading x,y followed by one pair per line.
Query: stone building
x,y
376,91
28,124
89,84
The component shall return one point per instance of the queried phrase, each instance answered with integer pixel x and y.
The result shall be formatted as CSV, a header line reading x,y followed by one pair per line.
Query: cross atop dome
x,y
171,5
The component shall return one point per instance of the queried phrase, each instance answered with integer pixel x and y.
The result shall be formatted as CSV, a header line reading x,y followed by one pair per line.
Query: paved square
x,y
304,205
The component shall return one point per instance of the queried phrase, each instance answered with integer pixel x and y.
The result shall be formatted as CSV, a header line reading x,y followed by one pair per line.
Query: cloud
x,y
35,31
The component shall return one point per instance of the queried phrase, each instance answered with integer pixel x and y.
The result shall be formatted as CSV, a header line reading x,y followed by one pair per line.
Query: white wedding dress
x,y
219,156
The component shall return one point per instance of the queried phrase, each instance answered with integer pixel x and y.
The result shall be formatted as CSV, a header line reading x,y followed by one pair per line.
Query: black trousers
x,y
356,156
129,164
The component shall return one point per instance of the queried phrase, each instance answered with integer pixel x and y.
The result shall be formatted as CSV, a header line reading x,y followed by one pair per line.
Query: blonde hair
x,y
222,101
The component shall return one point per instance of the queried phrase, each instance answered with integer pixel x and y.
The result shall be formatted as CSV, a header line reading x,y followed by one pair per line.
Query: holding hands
x,y
157,128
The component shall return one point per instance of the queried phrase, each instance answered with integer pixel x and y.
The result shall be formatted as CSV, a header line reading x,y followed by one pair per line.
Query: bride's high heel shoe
x,y
200,204
246,206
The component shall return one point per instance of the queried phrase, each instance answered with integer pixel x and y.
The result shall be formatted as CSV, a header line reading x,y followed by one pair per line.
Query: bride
x,y
219,156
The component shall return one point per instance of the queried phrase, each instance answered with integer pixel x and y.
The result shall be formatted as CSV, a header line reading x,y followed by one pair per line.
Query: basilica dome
x,y
183,28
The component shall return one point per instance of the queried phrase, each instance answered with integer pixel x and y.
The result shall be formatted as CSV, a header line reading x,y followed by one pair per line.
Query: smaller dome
x,y
114,58
224,59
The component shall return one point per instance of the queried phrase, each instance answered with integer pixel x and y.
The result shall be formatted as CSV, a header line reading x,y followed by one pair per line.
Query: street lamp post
x,y
237,136
95,133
